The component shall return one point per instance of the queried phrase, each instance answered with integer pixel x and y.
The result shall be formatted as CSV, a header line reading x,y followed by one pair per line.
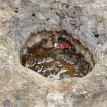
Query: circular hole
x,y
16,10
67,6
74,12
47,19
96,35
55,55
33,14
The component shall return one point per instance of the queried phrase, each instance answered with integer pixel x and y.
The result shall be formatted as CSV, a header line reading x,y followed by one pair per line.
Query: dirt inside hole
x,y
54,56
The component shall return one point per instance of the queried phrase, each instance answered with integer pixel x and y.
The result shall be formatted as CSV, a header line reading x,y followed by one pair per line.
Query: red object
x,y
61,46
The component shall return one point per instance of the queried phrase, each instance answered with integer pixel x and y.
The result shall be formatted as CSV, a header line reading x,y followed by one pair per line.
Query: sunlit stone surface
x,y
86,20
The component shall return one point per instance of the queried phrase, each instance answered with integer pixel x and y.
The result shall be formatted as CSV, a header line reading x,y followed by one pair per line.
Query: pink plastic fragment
x,y
61,46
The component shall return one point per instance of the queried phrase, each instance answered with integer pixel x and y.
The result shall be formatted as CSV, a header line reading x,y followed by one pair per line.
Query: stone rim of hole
x,y
33,34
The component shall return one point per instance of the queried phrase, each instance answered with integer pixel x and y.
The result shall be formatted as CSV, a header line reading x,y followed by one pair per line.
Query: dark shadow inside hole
x,y
74,12
67,6
47,19
33,14
16,10
96,35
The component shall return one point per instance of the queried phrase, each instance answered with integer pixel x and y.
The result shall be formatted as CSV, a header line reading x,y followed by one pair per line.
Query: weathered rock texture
x,y
86,20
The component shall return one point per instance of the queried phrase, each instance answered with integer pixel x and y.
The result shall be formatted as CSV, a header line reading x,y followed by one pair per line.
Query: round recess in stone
x,y
56,55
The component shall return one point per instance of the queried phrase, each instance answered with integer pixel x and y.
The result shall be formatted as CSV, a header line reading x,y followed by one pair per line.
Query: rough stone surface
x,y
22,87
